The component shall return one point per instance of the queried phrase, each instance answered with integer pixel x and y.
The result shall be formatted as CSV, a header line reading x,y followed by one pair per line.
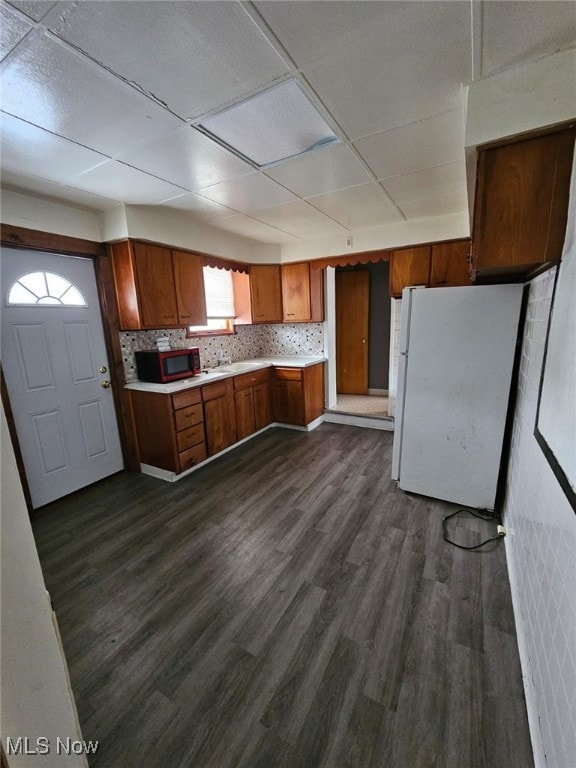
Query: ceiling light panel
x,y
274,125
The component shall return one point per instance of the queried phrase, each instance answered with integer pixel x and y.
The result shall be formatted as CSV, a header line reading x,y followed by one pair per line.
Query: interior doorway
x,y
362,340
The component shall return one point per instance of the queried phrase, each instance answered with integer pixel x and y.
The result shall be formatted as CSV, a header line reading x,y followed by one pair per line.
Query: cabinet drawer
x,y
187,417
186,397
212,391
288,374
192,456
189,437
249,379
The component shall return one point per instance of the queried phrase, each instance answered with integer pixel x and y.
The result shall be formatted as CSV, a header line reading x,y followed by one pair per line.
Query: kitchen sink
x,y
239,367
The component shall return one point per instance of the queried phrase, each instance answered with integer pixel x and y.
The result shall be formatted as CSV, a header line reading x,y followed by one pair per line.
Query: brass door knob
x,y
106,384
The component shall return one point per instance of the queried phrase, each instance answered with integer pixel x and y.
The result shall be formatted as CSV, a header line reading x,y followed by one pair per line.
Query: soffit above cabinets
x,y
102,101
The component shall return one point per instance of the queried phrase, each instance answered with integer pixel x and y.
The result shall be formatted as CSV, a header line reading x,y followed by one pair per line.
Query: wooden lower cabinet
x,y
298,394
219,415
252,401
169,428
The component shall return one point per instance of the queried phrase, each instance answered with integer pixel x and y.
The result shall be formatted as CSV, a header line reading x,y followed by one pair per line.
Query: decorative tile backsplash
x,y
248,341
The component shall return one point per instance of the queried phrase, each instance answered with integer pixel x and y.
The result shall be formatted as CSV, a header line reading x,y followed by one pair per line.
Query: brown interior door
x,y
352,302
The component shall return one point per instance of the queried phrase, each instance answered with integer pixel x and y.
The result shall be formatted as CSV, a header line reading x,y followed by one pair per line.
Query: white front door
x,y
57,373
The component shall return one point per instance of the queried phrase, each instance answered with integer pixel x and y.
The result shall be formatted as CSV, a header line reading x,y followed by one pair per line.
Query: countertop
x,y
224,371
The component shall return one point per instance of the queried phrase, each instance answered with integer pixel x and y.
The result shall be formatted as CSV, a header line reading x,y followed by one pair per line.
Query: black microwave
x,y
171,365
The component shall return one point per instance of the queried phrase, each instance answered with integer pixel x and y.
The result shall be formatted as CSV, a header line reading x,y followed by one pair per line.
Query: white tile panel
x,y
34,9
200,207
340,204
247,227
371,217
323,170
433,141
435,205
249,193
187,158
25,183
64,93
120,181
285,216
12,29
31,150
449,179
523,31
397,72
193,56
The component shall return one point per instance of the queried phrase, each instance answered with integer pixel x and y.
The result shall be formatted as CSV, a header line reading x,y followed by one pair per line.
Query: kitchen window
x,y
220,311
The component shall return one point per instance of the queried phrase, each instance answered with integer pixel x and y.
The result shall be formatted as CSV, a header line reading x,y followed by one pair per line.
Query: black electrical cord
x,y
490,517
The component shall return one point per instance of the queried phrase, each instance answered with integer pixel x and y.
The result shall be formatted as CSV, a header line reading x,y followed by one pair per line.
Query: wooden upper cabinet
x,y
302,296
157,287
189,284
521,205
265,294
450,265
409,266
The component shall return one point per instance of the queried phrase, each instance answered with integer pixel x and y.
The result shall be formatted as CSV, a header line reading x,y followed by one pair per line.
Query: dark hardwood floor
x,y
284,607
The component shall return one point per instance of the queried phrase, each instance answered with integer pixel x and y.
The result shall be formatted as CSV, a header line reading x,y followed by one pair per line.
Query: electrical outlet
x,y
349,241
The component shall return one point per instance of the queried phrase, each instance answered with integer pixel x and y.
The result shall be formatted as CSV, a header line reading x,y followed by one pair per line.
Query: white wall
x,y
36,696
541,551
36,213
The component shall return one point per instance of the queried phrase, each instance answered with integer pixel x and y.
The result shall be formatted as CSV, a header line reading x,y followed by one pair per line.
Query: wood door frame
x,y
48,242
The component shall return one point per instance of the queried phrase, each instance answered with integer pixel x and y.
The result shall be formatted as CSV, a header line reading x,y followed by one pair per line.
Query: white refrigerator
x,y
457,351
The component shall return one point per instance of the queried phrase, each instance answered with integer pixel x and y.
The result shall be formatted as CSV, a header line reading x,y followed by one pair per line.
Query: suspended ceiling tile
x,y
59,90
249,193
403,76
133,187
12,29
199,206
372,217
437,205
307,229
242,225
34,9
323,170
433,141
513,33
447,179
29,149
193,56
284,216
187,158
60,193
345,201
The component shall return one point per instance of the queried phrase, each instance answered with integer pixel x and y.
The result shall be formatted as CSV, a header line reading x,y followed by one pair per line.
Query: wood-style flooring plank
x,y
285,606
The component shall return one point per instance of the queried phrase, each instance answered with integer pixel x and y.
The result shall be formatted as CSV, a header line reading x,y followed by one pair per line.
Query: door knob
x,y
102,369
106,384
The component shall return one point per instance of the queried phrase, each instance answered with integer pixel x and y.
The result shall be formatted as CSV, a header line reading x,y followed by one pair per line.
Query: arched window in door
x,y
45,289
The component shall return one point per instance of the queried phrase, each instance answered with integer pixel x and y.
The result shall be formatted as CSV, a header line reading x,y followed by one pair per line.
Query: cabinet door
x,y
245,424
217,425
409,266
189,284
522,203
265,294
156,293
296,306
289,402
450,264
262,405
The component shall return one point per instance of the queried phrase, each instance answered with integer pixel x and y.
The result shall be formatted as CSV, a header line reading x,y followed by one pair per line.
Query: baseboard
x,y
387,425
378,392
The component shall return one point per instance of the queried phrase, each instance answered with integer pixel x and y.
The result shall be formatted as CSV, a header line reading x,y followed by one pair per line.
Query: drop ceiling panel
x,y
433,141
249,193
521,31
299,219
321,171
31,150
23,183
12,29
403,76
188,158
198,207
372,217
113,179
437,205
338,205
64,93
242,225
192,56
447,179
34,9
